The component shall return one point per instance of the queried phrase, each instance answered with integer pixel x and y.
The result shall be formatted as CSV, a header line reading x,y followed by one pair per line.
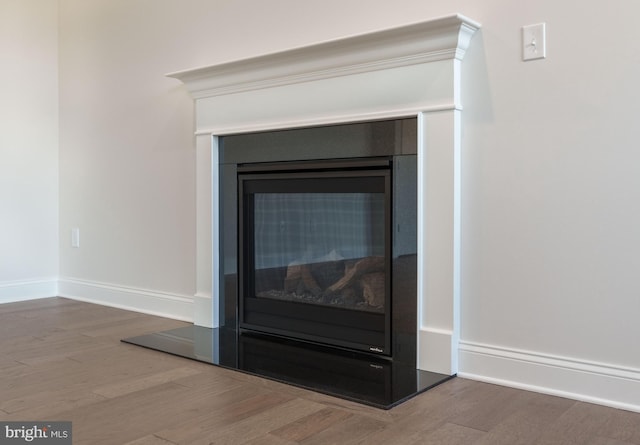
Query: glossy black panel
x,y
227,281
404,259
367,139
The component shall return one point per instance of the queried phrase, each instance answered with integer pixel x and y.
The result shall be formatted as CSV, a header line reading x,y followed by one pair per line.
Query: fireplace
x,y
386,104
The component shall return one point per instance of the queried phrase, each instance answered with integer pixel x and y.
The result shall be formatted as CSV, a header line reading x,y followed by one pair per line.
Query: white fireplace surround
x,y
412,70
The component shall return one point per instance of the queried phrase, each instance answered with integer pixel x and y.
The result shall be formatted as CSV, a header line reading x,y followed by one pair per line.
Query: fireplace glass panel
x,y
308,247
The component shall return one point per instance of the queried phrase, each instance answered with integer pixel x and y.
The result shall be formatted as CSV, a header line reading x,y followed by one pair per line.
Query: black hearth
x,y
318,270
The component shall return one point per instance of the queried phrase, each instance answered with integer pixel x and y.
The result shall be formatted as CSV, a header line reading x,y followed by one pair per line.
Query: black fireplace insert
x,y
314,251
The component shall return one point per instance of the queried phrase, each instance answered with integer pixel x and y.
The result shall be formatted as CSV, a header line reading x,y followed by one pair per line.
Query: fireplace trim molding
x,y
412,70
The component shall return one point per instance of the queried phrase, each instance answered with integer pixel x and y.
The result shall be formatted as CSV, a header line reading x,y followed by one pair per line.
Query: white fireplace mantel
x,y
412,70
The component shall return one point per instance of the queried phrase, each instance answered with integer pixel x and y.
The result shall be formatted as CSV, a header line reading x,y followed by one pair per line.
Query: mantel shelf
x,y
437,39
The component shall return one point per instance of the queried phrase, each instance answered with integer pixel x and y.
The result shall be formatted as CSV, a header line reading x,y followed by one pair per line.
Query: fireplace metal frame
x,y
340,327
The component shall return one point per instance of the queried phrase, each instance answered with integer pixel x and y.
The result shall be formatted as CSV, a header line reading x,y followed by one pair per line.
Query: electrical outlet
x,y
534,42
75,237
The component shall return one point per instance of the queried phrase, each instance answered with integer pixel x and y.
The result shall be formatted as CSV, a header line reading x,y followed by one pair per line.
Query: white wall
x,y
549,287
550,291
28,149
127,157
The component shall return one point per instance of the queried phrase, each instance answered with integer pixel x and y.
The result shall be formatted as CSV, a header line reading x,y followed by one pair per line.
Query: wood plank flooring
x,y
63,360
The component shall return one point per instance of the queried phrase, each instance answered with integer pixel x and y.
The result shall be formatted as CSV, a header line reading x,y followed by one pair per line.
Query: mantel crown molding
x,y
437,39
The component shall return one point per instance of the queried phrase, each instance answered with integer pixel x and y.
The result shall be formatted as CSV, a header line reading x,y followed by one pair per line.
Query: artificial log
x,y
327,272
366,265
293,277
299,279
373,288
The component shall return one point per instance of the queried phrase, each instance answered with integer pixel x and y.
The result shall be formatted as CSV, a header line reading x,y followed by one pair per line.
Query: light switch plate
x,y
534,42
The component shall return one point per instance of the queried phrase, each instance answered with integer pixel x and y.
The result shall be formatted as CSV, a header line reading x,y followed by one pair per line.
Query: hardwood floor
x,y
63,360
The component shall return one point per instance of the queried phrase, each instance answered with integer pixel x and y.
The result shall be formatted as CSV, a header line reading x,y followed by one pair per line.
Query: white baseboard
x,y
178,307
603,384
203,311
12,291
437,351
